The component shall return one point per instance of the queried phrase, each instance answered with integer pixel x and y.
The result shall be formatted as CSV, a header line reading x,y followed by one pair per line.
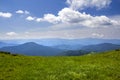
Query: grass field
x,y
104,66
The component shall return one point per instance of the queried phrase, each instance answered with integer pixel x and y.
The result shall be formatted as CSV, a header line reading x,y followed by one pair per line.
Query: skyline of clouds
x,y
71,15
67,15
67,34
71,21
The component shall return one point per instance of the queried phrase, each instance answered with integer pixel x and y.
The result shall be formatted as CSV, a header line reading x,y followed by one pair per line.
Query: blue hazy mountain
x,y
101,47
91,48
69,47
57,42
32,48
3,44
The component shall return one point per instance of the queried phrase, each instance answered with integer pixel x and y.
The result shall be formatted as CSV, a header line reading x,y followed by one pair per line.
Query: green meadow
x,y
100,66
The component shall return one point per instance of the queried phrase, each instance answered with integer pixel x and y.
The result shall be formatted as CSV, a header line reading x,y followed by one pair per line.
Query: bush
x,y
5,52
14,54
117,50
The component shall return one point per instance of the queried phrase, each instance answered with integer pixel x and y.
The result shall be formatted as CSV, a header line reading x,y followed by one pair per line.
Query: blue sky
x,y
36,7
31,19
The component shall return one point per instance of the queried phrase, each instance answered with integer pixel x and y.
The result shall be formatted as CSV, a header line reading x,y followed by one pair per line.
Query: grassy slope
x,y
105,66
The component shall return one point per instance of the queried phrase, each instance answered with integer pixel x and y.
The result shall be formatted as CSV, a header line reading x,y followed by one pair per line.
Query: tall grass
x,y
103,66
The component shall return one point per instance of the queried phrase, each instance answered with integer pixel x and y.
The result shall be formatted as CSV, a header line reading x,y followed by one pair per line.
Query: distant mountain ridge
x,y
56,42
91,48
33,49
3,44
101,47
69,47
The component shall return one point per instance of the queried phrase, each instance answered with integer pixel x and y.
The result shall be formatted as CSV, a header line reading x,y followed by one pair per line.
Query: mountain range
x,y
57,42
32,49
53,47
68,47
101,47
3,44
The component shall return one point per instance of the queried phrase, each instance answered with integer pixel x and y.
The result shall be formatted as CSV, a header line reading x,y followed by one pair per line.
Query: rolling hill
x,y
33,49
101,47
68,47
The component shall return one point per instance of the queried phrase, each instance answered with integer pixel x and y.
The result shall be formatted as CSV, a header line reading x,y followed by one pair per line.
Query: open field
x,y
103,66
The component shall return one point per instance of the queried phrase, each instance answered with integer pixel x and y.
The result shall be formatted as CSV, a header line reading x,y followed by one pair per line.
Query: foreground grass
x,y
104,66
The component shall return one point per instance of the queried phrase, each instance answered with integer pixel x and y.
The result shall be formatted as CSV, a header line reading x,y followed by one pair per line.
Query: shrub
x,y
5,52
117,50
14,54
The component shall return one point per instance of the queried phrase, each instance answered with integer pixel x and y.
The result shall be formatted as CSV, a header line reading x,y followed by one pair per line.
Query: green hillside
x,y
104,66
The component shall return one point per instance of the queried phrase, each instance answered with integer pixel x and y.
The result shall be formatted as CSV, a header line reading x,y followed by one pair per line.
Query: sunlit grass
x,y
103,66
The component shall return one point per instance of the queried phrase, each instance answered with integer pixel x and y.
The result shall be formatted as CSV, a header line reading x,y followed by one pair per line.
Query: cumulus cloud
x,y
5,15
99,21
51,18
70,16
11,34
30,18
22,12
39,19
81,4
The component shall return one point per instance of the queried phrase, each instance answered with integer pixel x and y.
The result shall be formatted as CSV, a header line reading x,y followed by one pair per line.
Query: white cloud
x,y
51,18
70,16
105,33
30,18
5,15
22,12
81,4
99,21
73,17
97,35
11,34
39,19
